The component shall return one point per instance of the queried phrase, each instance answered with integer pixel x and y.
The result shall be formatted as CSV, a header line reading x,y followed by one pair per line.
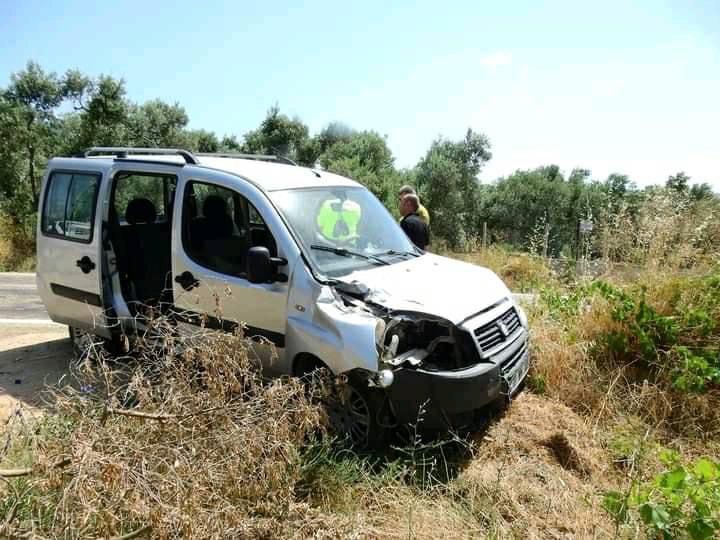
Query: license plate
x,y
517,375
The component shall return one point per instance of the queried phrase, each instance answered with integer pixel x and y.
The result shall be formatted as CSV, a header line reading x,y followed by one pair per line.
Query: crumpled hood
x,y
431,284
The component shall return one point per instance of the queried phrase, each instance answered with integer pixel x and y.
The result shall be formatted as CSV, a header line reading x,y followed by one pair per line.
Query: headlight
x,y
522,315
380,333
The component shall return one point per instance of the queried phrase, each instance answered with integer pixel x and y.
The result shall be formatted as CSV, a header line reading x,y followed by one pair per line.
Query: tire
x,y
353,410
81,340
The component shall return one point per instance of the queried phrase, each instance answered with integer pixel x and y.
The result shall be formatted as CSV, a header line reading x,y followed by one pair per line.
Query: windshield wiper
x,y
342,252
396,252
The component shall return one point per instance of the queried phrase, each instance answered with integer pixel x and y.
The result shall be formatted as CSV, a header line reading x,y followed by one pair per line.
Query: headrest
x,y
140,211
214,207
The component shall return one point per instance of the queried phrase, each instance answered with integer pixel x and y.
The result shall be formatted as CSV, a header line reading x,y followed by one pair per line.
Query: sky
x,y
631,87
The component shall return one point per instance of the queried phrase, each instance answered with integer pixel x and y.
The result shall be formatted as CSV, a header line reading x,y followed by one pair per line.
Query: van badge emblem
x,y
503,329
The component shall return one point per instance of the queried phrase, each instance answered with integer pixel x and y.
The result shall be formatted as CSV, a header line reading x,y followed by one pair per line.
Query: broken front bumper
x,y
435,398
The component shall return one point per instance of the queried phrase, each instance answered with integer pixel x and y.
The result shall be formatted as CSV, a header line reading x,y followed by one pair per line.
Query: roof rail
x,y
124,151
258,157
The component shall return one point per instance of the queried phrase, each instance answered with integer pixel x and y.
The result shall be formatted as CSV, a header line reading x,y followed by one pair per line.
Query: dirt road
x,y
19,300
33,350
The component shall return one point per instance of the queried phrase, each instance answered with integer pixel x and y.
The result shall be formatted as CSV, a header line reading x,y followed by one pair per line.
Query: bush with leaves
x,y
682,501
679,336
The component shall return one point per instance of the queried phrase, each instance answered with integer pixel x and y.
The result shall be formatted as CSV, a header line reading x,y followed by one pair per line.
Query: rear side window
x,y
69,209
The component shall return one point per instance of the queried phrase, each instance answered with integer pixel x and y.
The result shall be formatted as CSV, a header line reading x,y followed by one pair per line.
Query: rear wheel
x,y
82,341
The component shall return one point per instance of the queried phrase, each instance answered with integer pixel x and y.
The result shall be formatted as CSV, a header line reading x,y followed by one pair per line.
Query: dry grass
x,y
572,363
540,472
197,445
17,246
521,272
668,231
193,444
562,368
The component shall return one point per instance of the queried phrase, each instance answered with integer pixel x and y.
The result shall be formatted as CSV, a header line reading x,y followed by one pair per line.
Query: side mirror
x,y
262,268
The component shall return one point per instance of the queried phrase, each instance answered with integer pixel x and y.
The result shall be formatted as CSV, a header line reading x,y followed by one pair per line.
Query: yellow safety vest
x,y
338,220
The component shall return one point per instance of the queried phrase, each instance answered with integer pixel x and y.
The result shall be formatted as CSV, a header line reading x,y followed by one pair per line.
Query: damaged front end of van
x,y
437,371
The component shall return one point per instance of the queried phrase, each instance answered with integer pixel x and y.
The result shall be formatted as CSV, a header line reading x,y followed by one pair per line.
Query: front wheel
x,y
353,410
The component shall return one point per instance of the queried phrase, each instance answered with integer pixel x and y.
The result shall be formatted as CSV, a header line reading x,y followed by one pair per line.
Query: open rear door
x,y
69,269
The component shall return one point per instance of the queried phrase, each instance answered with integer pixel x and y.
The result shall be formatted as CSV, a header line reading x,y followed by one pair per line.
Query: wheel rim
x,y
350,415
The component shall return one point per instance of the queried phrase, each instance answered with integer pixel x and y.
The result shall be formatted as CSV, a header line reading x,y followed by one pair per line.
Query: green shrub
x,y
682,501
680,338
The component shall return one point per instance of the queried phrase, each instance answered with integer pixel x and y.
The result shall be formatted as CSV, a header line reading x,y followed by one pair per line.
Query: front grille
x,y
511,361
496,332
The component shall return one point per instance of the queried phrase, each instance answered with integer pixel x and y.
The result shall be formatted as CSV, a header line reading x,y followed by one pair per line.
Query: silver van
x,y
306,259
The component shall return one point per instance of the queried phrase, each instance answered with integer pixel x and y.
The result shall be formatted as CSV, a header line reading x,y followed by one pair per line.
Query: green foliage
x,y
539,208
282,136
31,127
683,501
328,470
563,305
525,206
157,123
678,182
537,383
683,339
365,157
334,133
448,185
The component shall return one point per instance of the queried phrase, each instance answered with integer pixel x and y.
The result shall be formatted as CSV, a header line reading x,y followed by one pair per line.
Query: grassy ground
x,y
622,373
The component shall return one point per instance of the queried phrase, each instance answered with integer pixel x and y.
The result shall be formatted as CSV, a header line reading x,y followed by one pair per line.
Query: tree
x,y
447,181
103,112
32,97
229,143
365,157
526,200
156,123
279,135
201,140
678,182
334,133
700,192
16,196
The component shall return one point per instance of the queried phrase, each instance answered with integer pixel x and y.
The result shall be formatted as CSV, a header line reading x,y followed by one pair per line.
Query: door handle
x,y
187,281
85,264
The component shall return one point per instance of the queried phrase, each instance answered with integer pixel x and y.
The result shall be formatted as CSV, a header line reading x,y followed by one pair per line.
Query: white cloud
x,y
496,59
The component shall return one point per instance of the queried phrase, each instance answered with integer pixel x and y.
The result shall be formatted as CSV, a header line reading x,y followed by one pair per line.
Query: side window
x,y
69,207
216,229
254,217
158,189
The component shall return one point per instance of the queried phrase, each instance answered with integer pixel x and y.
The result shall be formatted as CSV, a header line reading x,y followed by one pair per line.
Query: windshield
x,y
343,229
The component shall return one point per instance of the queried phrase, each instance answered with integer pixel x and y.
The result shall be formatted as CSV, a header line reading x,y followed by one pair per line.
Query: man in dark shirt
x,y
413,225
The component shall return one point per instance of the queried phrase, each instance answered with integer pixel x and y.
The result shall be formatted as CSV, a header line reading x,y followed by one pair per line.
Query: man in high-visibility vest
x,y
413,225
421,211
338,220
